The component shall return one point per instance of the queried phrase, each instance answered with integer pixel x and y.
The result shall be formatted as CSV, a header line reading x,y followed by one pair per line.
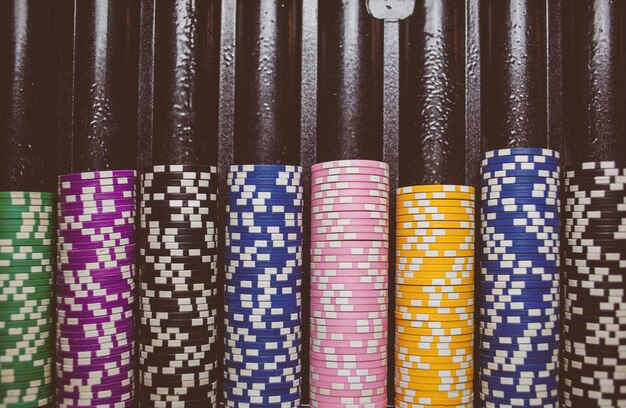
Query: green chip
x,y
17,317
21,236
32,395
24,296
25,303
24,278
44,354
27,194
27,256
26,242
26,208
26,346
26,222
26,331
32,404
23,325
15,270
27,365
25,262
28,218
9,376
26,290
5,202
22,338
7,314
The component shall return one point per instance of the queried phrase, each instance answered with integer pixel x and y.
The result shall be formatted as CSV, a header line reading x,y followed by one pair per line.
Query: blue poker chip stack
x,y
263,266
518,355
594,285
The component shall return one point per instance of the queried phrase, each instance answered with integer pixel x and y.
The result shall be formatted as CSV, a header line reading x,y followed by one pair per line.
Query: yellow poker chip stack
x,y
434,296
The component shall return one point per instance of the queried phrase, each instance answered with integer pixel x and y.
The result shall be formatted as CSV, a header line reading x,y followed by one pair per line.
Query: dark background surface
x,y
96,84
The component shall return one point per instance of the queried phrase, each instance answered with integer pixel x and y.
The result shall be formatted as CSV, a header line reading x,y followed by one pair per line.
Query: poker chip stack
x,y
594,319
178,360
26,292
95,289
349,284
434,296
263,286
518,354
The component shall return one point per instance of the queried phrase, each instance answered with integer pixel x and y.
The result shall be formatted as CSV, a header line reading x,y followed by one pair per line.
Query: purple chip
x,y
72,199
111,217
116,240
84,266
115,363
87,333
110,285
92,273
64,400
87,253
88,328
96,175
90,354
89,190
93,205
110,181
86,304
86,228
127,205
89,314
97,237
72,280
85,373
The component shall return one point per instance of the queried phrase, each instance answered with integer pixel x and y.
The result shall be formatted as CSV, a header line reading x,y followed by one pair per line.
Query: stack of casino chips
x,y
178,361
95,289
263,287
519,329
349,283
434,296
594,286
26,277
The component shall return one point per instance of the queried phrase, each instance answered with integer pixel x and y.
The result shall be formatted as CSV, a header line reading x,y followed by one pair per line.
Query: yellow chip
x,y
460,372
435,203
466,246
436,316
435,282
418,386
419,358
428,188
435,267
442,253
414,228
434,217
451,261
402,404
407,340
419,303
455,402
416,347
436,195
404,291
438,310
442,377
406,278
406,300
435,353
436,232
419,324
448,331
408,212
409,391
436,239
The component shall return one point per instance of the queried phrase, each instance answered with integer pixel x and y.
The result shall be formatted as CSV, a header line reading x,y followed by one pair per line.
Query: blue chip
x,y
266,202
530,398
522,263
519,326
519,180
502,342
281,223
519,257
255,175
264,271
249,250
523,236
520,400
508,307
274,397
517,361
519,211
267,325
519,319
279,285
237,290
263,230
276,362
520,159
236,315
541,366
280,209
260,245
262,384
269,237
263,257
274,216
487,175
498,381
528,373
265,188
520,166
520,274
522,250
522,201
521,151
525,229
513,353
488,285
263,346
264,196
527,297
522,221
262,264
260,181
274,352
520,243
524,189
263,340
260,168
252,374
512,331
261,298
270,279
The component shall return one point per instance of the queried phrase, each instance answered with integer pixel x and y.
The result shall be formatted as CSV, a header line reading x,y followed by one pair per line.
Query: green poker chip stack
x,y
26,294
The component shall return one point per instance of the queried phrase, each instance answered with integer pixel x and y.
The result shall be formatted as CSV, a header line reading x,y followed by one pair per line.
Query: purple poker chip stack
x,y
178,360
95,289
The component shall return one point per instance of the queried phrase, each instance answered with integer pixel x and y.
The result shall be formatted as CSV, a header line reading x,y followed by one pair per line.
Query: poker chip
x,y
594,295
263,284
26,291
178,284
519,296
94,286
434,292
349,241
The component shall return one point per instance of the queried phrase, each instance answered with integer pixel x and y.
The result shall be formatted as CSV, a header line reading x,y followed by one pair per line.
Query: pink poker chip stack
x,y
349,282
